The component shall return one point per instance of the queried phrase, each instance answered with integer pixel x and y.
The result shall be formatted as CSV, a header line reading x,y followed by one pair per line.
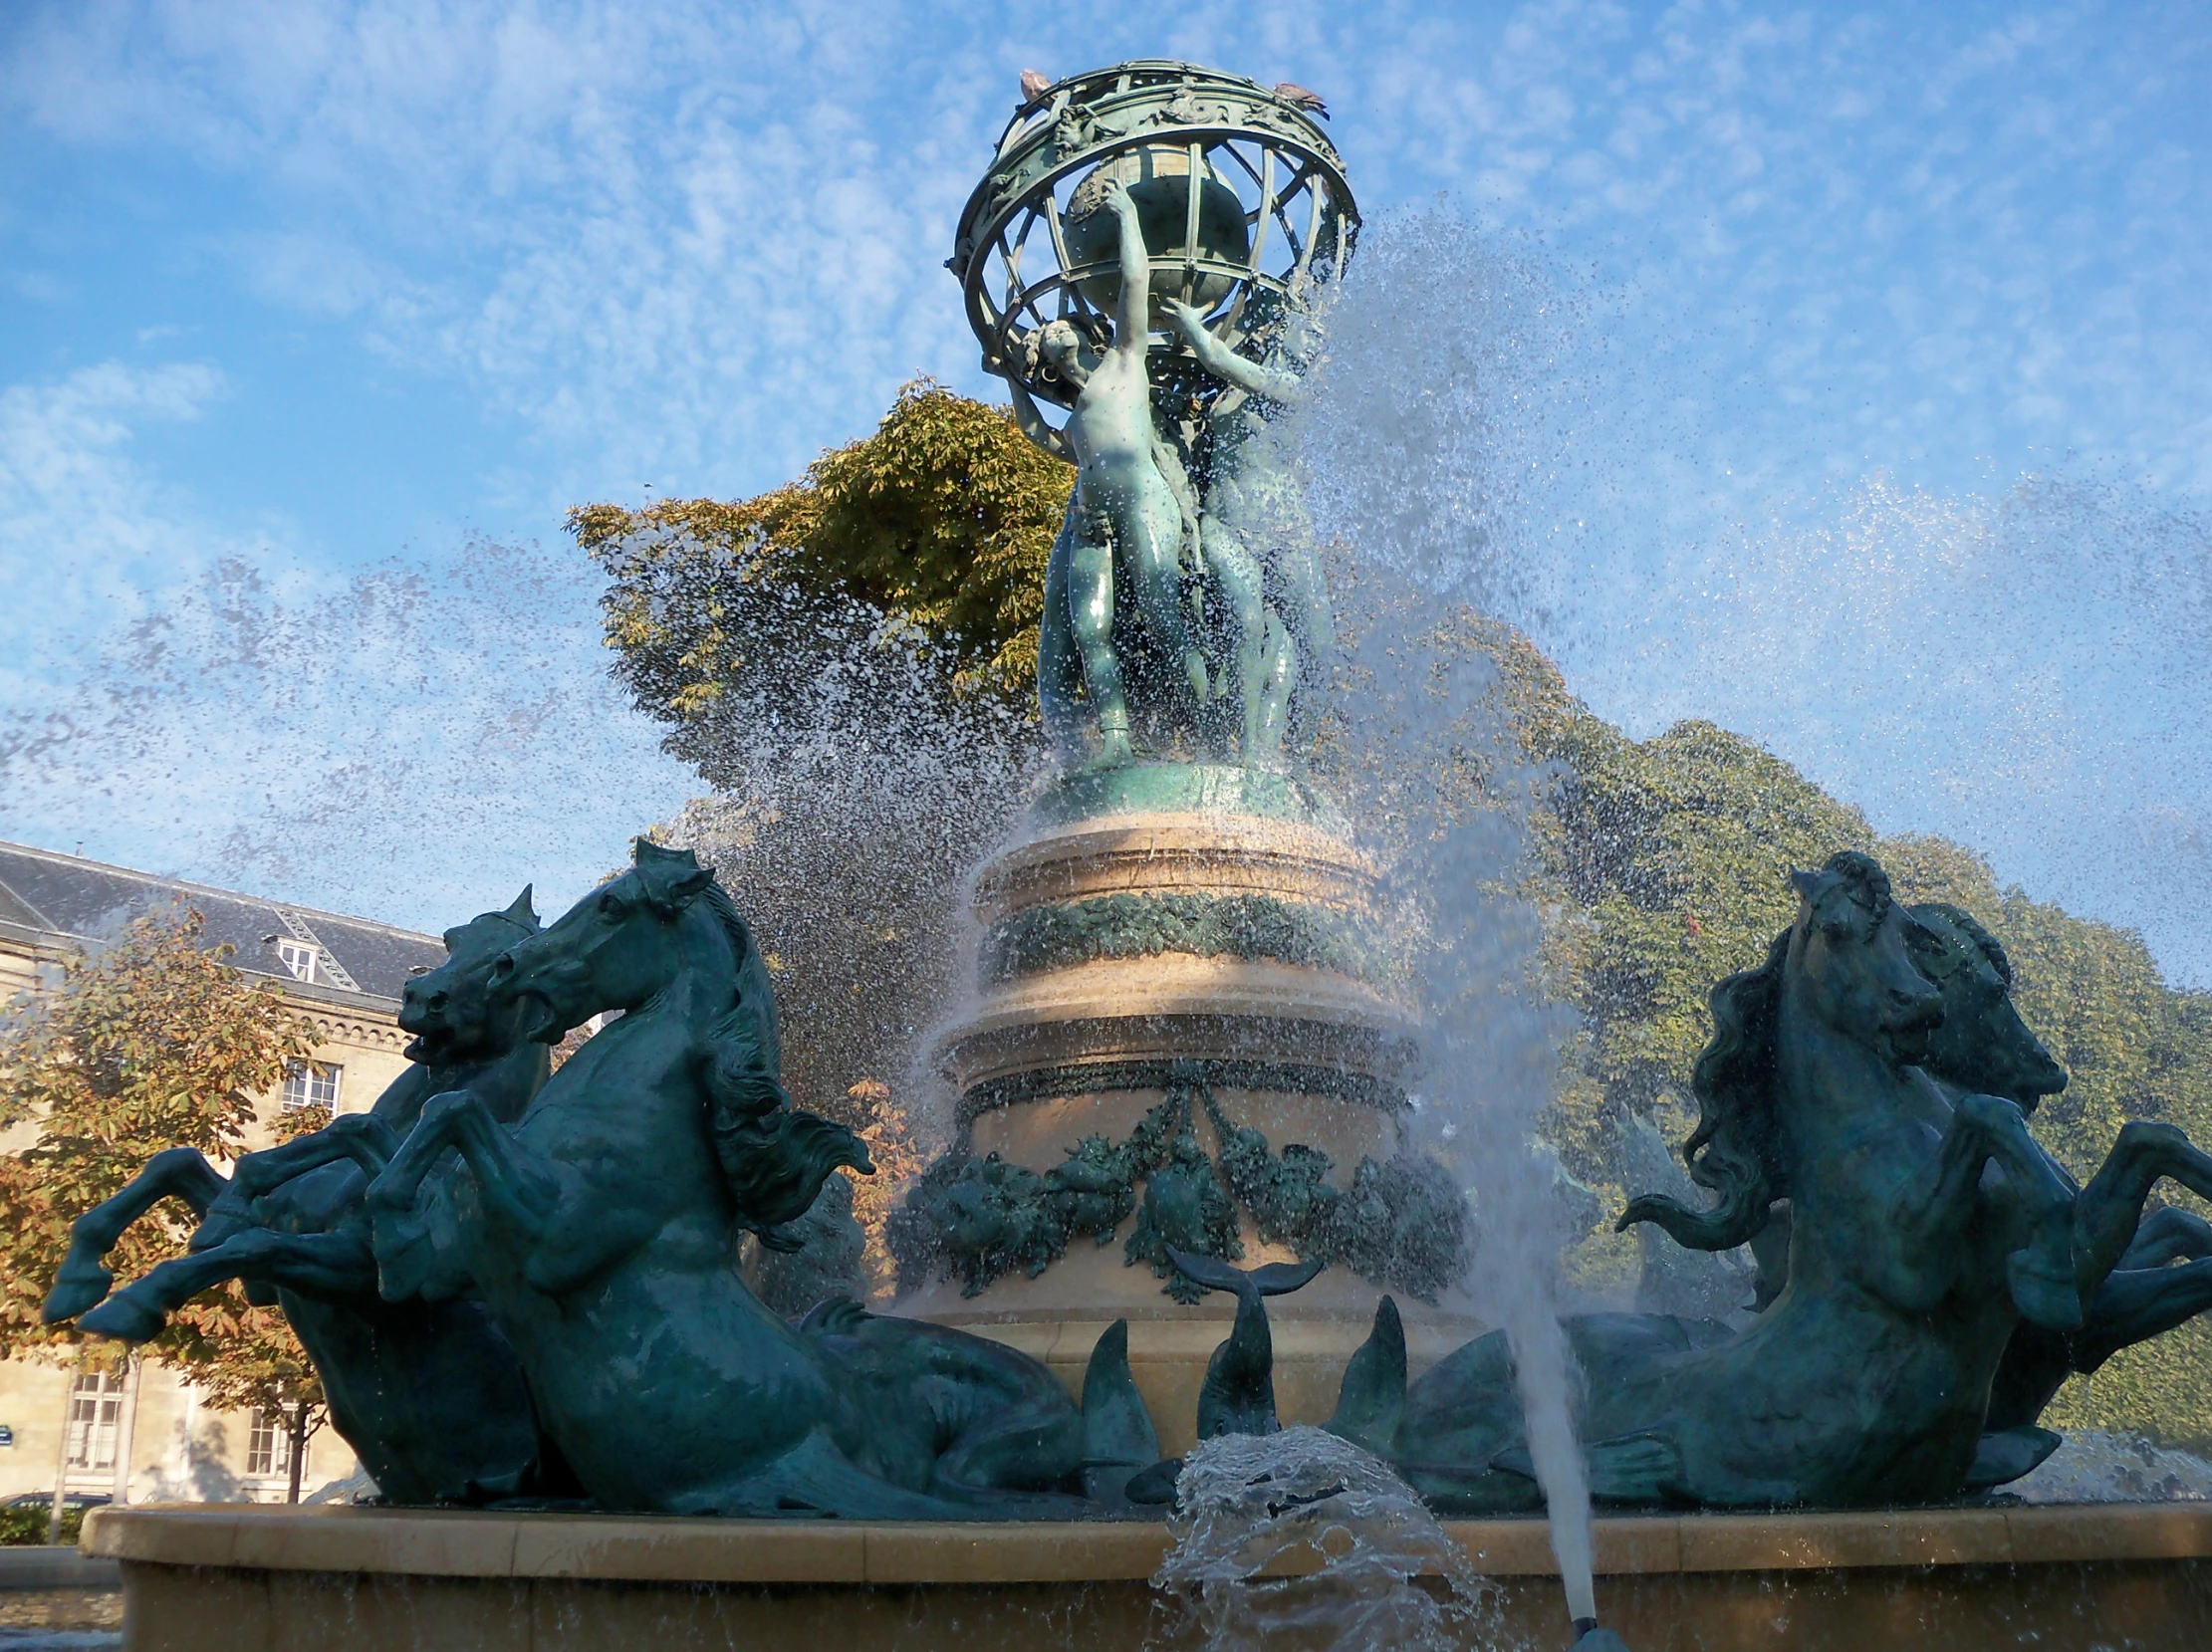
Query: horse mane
x,y
774,1156
752,974
1969,926
1734,1152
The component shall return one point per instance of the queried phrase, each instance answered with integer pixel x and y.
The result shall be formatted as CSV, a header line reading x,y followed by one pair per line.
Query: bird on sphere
x,y
1292,94
1034,83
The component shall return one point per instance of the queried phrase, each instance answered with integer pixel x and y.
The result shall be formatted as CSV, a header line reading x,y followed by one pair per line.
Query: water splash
x,y
1300,1542
891,826
1406,463
412,742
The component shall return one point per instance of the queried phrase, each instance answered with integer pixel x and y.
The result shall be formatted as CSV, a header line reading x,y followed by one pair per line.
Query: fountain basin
x,y
245,1579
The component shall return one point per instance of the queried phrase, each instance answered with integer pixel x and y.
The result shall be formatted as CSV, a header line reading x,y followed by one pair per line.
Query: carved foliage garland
x,y
1129,925
1401,1223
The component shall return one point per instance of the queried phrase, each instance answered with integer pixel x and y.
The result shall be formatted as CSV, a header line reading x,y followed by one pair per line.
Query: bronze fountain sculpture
x,y
522,1290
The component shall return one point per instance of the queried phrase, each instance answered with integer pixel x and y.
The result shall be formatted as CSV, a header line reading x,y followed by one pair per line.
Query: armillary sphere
x,y
1242,197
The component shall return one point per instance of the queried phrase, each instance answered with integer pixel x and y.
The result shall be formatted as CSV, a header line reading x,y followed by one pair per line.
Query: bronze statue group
x,y
1186,557
523,1287
523,1290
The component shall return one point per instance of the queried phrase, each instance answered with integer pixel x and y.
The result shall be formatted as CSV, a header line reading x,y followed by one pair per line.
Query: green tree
x,y
850,659
940,522
150,1042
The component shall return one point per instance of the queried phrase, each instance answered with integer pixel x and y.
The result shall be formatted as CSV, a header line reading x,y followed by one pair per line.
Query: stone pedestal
x,y
1125,951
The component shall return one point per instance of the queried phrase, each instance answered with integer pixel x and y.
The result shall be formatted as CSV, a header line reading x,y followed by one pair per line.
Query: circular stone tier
x,y
236,1577
1183,971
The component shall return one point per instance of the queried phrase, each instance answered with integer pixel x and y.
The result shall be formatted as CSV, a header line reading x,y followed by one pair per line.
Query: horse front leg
x,y
2136,1304
518,1191
2044,1274
1915,1247
84,1279
360,1137
327,1265
2167,1236
2110,1207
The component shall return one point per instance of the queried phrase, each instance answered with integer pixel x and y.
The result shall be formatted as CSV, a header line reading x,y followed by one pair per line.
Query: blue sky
x,y
1841,342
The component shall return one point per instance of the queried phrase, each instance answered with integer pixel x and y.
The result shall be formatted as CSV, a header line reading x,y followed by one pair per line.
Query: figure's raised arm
x,y
1271,384
1132,319
1030,420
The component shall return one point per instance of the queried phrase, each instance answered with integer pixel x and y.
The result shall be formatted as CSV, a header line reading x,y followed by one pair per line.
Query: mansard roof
x,y
64,897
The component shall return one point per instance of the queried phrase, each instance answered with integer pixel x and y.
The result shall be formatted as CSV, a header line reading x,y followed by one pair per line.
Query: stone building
x,y
146,1434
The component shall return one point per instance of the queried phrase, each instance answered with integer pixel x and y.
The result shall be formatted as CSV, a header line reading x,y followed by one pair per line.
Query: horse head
x,y
614,949
1852,962
1847,959
451,1009
1983,1045
627,944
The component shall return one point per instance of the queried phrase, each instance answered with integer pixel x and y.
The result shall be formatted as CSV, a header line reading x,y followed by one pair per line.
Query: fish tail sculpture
x,y
1118,1438
1371,1401
1238,1395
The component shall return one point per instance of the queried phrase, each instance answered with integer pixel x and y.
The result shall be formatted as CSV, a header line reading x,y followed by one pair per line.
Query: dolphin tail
x,y
1373,1397
1118,1438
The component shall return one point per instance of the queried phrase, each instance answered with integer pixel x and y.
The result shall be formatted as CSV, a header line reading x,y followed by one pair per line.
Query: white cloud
x,y
88,533
403,743
639,228
186,697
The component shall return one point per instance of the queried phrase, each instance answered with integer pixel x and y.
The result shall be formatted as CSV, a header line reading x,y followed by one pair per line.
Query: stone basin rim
x,y
667,1548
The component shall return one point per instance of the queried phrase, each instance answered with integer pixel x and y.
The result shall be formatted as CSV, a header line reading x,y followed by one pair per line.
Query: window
x,y
269,1445
94,1419
312,1084
299,957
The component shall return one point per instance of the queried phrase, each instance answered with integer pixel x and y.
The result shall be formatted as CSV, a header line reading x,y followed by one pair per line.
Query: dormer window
x,y
299,957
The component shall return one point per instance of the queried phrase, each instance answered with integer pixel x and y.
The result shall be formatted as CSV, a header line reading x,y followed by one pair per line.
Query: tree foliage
x,y
850,658
150,1042
935,527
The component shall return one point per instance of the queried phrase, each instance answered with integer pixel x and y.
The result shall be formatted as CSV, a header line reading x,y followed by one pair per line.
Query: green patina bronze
x,y
1874,1074
522,1286
827,1262
532,1242
1400,1223
1185,612
605,1221
1186,1207
1130,925
1180,788
2130,1287
428,1393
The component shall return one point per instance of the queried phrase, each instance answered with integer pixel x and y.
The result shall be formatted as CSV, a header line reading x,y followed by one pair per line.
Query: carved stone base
x,y
1126,956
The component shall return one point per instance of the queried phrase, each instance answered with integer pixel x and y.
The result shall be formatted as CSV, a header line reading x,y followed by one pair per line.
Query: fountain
x,y
1253,1011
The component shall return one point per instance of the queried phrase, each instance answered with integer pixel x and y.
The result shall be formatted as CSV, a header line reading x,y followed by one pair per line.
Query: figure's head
x,y
614,950
450,1009
1848,952
1059,353
1983,1045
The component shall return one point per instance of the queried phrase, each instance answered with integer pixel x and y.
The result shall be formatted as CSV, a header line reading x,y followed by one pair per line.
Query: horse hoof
x,y
123,1319
73,1295
2046,1295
